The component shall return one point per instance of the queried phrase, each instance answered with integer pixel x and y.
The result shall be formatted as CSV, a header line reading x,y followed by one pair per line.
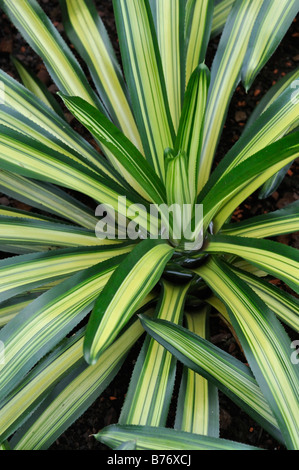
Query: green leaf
x,y
134,279
140,174
147,438
150,391
268,127
45,40
222,9
5,446
21,273
225,75
189,136
16,230
10,308
230,375
18,406
197,31
171,42
129,445
87,32
47,122
16,121
29,158
284,305
272,184
198,405
265,343
74,394
275,223
145,78
242,180
48,198
37,87
275,258
45,321
12,212
272,95
271,25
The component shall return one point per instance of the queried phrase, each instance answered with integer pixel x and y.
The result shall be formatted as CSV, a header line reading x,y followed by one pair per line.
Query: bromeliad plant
x,y
157,127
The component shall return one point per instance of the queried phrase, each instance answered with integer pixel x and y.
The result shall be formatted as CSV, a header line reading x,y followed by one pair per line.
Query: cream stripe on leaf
x,y
271,25
46,320
198,406
197,33
10,308
29,158
12,212
14,120
273,94
88,33
265,343
48,198
16,230
141,175
148,398
145,78
24,102
230,375
43,37
225,195
284,305
21,273
19,405
171,42
36,86
275,223
131,282
74,394
189,136
271,125
275,258
147,438
45,40
225,75
222,9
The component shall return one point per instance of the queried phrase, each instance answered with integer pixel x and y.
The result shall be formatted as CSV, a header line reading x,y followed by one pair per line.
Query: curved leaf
x,y
275,223
275,258
74,394
147,438
140,174
230,375
134,279
150,390
265,343
88,33
271,25
37,87
145,78
198,404
197,33
46,320
171,42
45,40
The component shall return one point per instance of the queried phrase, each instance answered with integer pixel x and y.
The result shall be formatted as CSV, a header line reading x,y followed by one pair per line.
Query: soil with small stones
x,y
234,424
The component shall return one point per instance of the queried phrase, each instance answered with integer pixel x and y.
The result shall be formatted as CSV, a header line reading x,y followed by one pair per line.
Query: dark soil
x,y
234,423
